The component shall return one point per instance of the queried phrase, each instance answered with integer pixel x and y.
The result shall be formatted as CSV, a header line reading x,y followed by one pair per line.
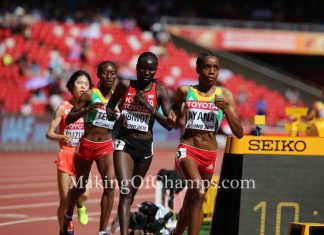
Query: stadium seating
x,y
176,66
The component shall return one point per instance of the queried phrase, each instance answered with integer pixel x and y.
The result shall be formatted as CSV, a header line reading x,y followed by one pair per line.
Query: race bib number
x,y
76,135
136,120
102,121
119,145
201,119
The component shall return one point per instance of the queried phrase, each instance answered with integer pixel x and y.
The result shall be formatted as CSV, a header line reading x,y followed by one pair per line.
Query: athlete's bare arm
x,y
82,107
50,134
180,98
227,104
119,92
164,101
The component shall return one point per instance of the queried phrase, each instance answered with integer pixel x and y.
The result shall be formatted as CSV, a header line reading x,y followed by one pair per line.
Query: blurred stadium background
x,y
271,52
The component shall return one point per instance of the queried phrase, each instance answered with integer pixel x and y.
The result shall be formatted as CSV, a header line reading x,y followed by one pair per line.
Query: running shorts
x,y
91,151
64,161
204,159
140,150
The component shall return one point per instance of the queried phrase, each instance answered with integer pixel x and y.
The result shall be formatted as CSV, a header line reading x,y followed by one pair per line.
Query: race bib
x,y
136,120
102,121
76,135
201,119
119,145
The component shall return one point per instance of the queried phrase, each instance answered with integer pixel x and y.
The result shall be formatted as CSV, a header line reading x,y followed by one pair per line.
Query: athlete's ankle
x,y
68,215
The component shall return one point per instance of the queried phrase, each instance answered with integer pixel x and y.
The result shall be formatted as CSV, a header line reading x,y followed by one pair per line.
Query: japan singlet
x,y
98,117
137,116
76,129
201,112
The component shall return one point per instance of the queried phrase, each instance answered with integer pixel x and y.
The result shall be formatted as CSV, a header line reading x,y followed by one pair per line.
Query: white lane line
x,y
113,212
46,204
26,178
30,185
34,173
38,194
25,166
14,216
28,220
52,184
25,195
32,205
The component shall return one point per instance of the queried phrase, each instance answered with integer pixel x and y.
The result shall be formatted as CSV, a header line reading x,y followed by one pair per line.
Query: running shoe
x,y
115,225
68,226
102,233
82,215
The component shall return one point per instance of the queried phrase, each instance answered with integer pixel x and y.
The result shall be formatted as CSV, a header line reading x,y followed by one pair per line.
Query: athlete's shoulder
x,y
227,94
62,107
66,104
184,89
159,85
125,83
225,91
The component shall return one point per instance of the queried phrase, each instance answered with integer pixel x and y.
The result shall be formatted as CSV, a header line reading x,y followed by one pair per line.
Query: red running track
x,y
29,196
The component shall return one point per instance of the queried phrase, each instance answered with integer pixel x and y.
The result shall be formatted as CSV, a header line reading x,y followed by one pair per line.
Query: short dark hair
x,y
74,77
202,55
146,55
104,64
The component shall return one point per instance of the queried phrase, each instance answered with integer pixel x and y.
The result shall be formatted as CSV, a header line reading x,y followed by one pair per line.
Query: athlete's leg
x,y
105,167
140,170
81,208
197,191
182,222
84,197
82,170
63,183
124,166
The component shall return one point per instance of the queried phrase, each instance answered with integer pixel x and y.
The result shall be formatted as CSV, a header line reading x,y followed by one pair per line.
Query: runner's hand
x,y
111,114
140,97
67,140
172,117
220,103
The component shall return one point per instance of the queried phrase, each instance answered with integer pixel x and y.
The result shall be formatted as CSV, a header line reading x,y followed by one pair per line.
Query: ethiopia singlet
x,y
201,112
76,129
137,116
98,117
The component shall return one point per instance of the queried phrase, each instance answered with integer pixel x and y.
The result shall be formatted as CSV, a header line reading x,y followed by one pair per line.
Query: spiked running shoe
x,y
68,226
82,215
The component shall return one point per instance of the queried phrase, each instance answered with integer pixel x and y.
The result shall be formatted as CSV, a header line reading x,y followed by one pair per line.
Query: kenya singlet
x,y
137,116
201,112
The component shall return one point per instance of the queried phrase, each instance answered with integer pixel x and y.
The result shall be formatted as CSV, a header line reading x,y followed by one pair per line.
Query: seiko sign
x,y
277,145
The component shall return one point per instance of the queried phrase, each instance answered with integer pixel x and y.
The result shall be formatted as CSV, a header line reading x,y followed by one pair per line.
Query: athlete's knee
x,y
198,195
109,191
126,195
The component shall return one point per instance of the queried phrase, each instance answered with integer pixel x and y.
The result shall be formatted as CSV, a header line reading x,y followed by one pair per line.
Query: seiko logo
x,y
277,145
